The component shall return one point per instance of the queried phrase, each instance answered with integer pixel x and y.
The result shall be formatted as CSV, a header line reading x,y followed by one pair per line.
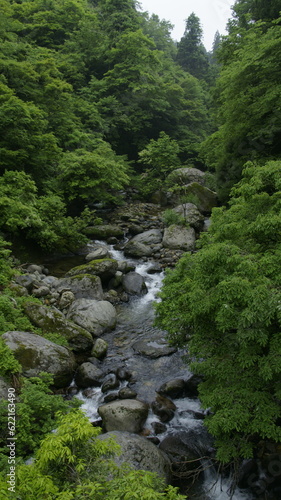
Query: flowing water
x,y
135,322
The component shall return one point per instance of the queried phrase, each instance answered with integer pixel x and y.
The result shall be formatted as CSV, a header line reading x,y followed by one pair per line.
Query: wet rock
x,y
178,388
153,349
127,393
104,268
88,375
123,374
51,320
83,286
95,316
179,237
154,268
37,354
90,392
164,408
140,454
110,382
124,415
159,427
112,396
125,267
186,448
27,281
134,284
99,348
33,268
99,253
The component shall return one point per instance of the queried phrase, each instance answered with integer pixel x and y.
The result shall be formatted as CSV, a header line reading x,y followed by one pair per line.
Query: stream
x,y
135,323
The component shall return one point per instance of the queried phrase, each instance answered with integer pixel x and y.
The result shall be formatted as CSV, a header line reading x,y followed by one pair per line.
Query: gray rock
x,y
37,354
137,249
126,415
186,175
149,237
173,388
153,349
140,454
88,375
83,286
99,348
134,284
191,214
41,291
32,268
95,316
99,253
125,267
66,299
206,199
51,320
179,237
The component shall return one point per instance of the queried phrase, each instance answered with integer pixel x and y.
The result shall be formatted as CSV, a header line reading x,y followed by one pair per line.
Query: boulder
x,y
186,175
88,375
149,237
125,415
99,349
83,286
104,268
153,349
179,237
134,284
37,354
127,393
205,199
99,253
51,320
66,299
137,249
110,383
104,232
139,453
96,316
191,214
179,387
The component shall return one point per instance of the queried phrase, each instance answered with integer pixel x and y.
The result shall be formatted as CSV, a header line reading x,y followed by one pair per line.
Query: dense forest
x,y
98,102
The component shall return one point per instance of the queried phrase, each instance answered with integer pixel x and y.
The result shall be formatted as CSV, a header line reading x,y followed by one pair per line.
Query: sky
x,y
213,15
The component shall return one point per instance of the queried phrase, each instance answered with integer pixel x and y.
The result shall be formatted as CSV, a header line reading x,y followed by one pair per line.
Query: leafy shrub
x,y
171,217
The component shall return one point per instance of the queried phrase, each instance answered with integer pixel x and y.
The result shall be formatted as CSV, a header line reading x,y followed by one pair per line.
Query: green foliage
x,y
192,55
8,364
36,412
171,217
248,103
224,302
11,315
72,464
39,218
6,271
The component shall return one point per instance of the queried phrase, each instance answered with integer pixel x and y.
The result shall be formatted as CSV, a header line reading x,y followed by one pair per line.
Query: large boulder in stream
x,y
179,237
134,284
191,214
83,286
124,415
104,268
153,348
37,354
88,375
136,249
96,316
186,175
51,320
104,232
150,237
139,453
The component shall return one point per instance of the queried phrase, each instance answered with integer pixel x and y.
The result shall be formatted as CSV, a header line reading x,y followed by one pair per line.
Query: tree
x,y
192,55
248,102
224,303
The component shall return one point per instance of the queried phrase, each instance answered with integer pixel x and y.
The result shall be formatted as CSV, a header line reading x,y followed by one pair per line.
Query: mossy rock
x,y
104,232
104,268
51,320
83,286
37,354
